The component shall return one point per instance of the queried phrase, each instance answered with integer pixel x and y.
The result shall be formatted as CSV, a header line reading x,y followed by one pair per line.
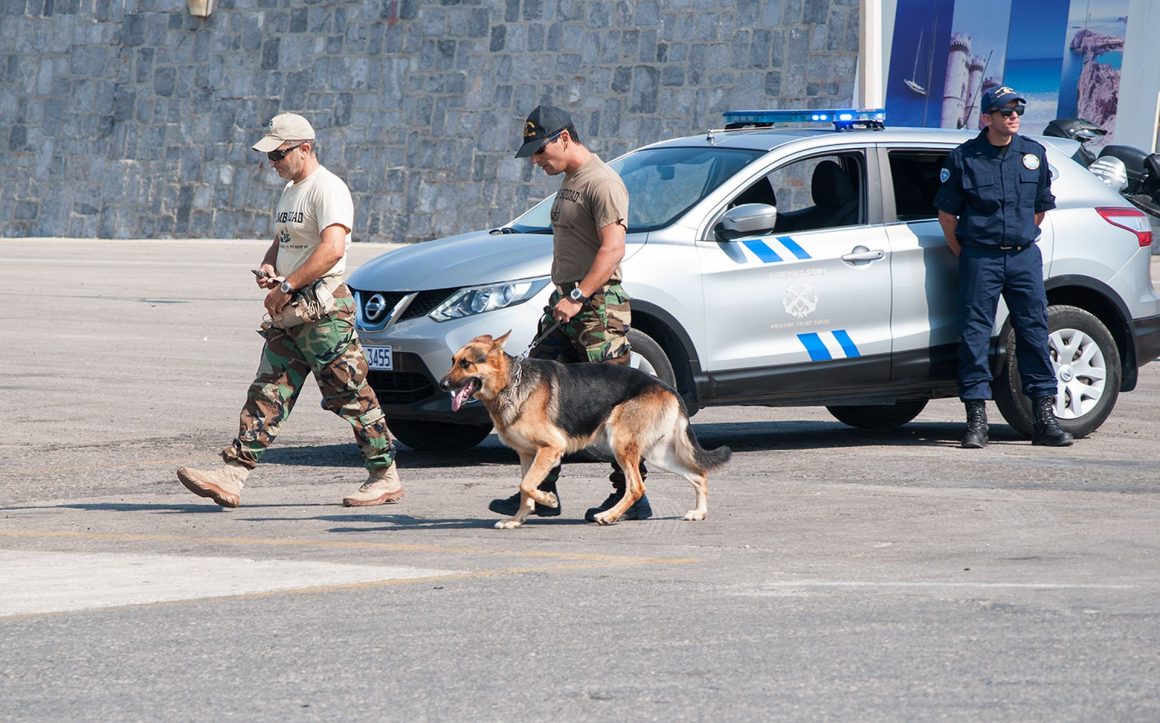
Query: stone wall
x,y
132,118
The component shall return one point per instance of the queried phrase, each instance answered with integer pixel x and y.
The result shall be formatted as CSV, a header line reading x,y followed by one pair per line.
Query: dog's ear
x,y
498,343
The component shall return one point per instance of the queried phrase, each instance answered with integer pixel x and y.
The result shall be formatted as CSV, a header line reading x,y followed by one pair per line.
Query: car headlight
x,y
479,299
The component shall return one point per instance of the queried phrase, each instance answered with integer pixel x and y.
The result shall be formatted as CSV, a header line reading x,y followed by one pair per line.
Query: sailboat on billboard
x,y
912,81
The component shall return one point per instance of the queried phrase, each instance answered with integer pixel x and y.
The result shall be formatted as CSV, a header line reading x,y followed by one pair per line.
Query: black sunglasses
x,y
1006,112
544,145
276,156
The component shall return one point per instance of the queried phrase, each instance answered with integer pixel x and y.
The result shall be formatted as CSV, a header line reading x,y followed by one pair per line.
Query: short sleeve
x,y
1044,198
950,190
335,205
609,203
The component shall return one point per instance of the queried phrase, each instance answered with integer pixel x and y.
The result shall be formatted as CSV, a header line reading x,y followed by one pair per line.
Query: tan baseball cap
x,y
285,127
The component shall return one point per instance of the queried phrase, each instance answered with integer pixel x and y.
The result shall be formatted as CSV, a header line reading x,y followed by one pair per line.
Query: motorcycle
x,y
1134,174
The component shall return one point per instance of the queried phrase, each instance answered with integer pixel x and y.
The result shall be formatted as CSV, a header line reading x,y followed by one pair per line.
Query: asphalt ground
x,y
840,575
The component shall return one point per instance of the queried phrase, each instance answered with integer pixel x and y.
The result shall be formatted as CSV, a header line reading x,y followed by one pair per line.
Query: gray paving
x,y
841,574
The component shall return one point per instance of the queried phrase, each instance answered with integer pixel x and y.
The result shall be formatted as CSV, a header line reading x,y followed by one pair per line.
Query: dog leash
x,y
539,339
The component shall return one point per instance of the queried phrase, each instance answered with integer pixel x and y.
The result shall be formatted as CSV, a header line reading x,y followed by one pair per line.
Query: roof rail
x,y
842,118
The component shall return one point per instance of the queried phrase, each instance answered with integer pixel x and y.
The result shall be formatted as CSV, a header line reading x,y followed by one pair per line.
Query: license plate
x,y
379,357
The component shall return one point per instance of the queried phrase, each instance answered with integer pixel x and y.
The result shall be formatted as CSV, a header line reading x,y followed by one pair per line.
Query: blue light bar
x,y
842,118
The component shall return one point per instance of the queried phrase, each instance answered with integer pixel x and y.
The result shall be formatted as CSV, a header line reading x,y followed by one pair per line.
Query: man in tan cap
x,y
311,327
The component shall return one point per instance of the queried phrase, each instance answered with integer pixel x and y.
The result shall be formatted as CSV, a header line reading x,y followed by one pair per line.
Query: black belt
x,y
991,247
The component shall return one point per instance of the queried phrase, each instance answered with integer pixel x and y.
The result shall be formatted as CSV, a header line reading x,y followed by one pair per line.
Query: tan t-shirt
x,y
588,200
305,208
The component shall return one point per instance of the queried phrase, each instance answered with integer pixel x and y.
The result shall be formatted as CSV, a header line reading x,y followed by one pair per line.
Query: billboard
x,y
1064,56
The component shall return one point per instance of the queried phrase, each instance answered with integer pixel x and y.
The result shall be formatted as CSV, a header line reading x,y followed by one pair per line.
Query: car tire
x,y
649,357
1088,389
425,436
878,416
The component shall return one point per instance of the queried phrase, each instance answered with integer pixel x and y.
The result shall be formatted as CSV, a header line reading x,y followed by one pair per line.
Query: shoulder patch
x,y
1030,161
944,175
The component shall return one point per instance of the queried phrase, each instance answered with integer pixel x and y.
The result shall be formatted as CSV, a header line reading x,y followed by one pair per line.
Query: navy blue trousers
x,y
984,275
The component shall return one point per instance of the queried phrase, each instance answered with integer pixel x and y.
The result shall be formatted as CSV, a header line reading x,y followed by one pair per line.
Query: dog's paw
x,y
694,515
551,500
605,519
508,524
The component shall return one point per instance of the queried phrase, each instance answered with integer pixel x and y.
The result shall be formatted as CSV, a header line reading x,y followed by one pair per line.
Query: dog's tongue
x,y
459,396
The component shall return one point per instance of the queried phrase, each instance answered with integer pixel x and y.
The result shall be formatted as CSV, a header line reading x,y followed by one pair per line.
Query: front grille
x,y
426,301
423,303
407,384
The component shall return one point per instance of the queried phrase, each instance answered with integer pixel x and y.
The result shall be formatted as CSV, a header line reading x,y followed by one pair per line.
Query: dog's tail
x,y
706,459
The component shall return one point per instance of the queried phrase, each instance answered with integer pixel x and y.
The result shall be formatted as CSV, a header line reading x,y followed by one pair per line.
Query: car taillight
x,y
1132,219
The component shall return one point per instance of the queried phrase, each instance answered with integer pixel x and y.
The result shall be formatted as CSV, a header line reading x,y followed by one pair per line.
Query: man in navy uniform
x,y
995,190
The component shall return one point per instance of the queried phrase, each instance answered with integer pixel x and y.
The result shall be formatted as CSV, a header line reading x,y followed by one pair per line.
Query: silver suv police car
x,y
780,266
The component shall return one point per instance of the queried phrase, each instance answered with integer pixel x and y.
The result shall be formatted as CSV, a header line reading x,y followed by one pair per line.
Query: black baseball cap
x,y
543,122
999,97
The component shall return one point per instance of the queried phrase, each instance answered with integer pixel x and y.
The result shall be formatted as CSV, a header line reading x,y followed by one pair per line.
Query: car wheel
x,y
648,356
1087,371
427,436
878,416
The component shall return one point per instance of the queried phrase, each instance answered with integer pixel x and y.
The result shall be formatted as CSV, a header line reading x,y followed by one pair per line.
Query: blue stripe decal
x,y
847,344
763,252
793,247
813,344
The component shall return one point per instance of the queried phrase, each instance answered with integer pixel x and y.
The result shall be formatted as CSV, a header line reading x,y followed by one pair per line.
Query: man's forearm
x,y
950,225
328,253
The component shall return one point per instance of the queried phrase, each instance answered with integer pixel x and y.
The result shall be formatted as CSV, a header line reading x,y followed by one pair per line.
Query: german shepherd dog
x,y
544,409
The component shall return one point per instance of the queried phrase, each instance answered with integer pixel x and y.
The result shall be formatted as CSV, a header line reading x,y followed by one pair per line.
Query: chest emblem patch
x,y
1030,161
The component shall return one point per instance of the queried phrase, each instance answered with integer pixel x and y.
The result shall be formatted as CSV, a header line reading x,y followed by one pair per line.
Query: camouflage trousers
x,y
330,350
598,333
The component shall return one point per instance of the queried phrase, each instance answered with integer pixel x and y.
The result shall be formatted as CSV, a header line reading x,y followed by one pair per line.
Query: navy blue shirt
x,y
996,192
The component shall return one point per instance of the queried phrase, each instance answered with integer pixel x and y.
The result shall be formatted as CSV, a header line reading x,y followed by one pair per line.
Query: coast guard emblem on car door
x,y
800,301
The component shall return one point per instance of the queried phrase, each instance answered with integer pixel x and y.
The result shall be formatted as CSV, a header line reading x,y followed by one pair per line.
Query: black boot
x,y
640,510
977,435
510,505
1047,430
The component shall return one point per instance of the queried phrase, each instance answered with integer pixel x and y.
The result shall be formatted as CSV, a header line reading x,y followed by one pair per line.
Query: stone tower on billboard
x,y
955,88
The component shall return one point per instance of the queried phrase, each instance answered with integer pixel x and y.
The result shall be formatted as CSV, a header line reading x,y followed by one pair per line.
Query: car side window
x,y
813,193
915,179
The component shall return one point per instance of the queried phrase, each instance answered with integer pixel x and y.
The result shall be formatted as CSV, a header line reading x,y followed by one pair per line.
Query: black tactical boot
x,y
640,510
1047,431
510,505
977,435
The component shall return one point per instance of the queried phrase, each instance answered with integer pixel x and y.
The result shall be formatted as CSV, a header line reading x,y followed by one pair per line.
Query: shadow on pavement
x,y
739,436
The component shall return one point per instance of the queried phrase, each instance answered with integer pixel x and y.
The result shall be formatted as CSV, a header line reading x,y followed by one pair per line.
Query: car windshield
x,y
662,184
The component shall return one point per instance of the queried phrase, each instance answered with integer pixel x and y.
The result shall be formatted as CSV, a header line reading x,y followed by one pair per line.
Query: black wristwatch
x,y
577,295
286,288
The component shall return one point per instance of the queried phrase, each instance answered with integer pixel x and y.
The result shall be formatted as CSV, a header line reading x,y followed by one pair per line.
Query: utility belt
x,y
307,305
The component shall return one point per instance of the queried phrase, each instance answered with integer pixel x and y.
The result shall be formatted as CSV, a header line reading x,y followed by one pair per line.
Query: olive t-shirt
x,y
589,199
304,210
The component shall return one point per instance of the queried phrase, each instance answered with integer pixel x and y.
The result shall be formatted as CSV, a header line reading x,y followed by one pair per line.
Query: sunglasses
x,y
276,156
1007,112
544,146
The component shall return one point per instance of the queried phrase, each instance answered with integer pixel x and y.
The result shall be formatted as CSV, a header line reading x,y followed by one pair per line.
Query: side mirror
x,y
748,219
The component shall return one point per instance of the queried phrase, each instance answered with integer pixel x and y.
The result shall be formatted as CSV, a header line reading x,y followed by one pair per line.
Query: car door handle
x,y
864,255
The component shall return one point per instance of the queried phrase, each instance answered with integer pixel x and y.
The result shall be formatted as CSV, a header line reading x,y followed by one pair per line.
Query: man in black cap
x,y
589,223
995,190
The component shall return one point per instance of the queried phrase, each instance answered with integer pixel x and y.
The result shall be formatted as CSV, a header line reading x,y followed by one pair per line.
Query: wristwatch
x,y
286,288
577,295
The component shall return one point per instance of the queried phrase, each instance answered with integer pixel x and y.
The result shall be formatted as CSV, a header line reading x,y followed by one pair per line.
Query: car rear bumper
x,y
1146,332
